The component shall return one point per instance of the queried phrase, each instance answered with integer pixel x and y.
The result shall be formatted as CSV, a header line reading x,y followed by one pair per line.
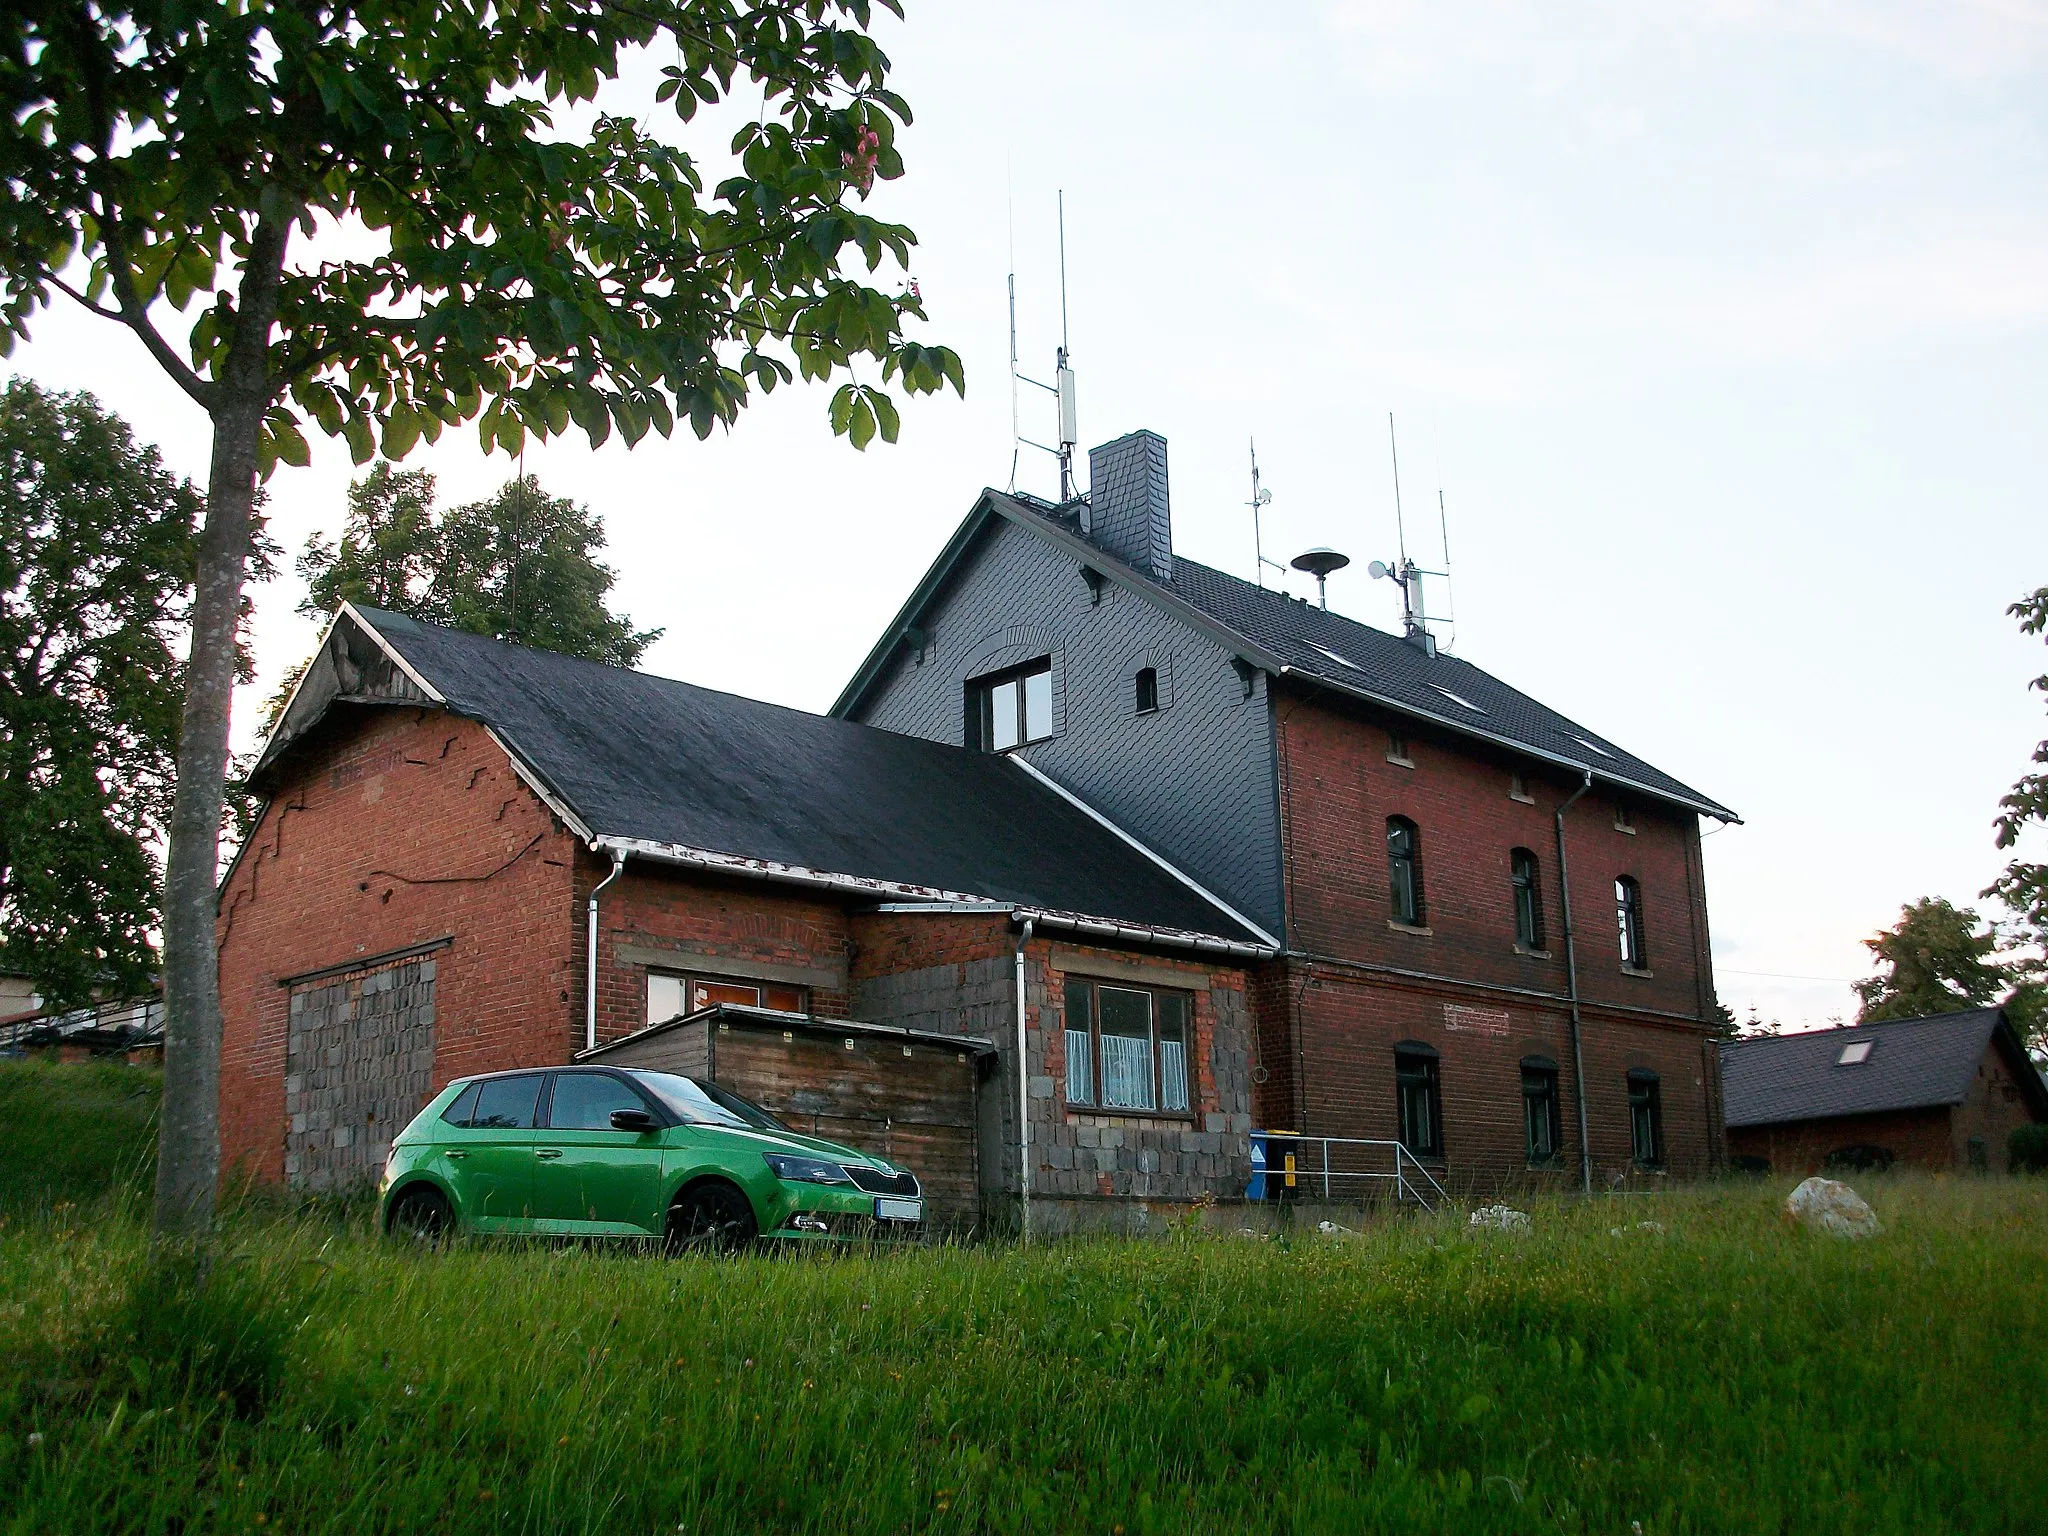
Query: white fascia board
x,y
533,781
1179,874
713,862
1132,933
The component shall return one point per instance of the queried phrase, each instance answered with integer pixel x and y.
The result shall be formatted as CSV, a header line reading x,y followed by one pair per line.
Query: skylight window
x,y
1467,703
1342,661
1588,745
1855,1053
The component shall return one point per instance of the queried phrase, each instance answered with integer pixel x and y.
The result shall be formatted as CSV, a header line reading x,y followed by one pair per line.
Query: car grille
x,y
876,1182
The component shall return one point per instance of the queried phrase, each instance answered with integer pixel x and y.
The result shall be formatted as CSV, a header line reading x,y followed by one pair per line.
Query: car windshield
x,y
707,1103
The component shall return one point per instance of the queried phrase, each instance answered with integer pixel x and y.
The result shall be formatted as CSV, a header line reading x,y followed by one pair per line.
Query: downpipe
x,y
590,957
1571,981
1023,1093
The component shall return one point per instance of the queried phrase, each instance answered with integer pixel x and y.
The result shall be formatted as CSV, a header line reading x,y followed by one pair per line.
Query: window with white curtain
x,y
1127,1047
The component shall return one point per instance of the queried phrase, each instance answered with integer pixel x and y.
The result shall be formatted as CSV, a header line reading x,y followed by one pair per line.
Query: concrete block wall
x,y
359,1061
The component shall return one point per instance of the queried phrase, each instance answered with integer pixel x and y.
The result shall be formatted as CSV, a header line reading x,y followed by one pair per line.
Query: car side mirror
x,y
632,1120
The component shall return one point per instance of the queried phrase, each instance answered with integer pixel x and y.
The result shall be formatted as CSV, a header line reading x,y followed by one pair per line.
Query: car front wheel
x,y
420,1214
711,1218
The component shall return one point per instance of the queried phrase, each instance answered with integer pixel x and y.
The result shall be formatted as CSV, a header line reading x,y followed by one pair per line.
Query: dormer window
x,y
1855,1053
1013,708
1148,690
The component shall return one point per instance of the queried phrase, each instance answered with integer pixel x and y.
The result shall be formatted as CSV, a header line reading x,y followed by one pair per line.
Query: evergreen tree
x,y
2023,887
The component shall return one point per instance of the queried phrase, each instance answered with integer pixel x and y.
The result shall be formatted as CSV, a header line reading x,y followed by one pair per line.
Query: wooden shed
x,y
910,1095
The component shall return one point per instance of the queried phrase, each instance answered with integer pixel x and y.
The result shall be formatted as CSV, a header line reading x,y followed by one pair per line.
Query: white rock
x,y
1828,1206
1502,1218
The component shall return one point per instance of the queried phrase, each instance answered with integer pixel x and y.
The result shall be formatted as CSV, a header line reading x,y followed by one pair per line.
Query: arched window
x,y
1404,870
1148,690
1542,1124
1418,1098
1528,888
1645,1117
1628,917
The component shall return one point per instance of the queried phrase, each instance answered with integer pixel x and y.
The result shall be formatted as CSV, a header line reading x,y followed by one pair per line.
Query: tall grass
x,y
1724,1374
75,1131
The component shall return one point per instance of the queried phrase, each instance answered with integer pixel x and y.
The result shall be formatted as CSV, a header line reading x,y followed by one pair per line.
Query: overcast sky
x,y
1724,334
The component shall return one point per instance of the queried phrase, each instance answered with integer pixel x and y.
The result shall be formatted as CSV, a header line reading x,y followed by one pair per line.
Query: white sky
x,y
1725,333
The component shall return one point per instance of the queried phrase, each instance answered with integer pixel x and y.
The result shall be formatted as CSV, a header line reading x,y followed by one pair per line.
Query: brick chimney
x,y
1127,510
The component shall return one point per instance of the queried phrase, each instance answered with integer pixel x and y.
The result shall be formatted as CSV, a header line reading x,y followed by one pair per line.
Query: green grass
x,y
74,1131
1725,1374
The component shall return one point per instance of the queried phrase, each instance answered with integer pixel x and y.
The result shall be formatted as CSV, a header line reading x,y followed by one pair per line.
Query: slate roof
x,y
1913,1064
642,757
1287,636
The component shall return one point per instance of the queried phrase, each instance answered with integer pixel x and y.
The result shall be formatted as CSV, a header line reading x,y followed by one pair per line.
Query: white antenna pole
x,y
1063,375
1261,497
1016,426
1410,577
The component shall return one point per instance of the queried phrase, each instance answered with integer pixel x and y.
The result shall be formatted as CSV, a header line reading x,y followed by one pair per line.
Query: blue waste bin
x,y
1275,1166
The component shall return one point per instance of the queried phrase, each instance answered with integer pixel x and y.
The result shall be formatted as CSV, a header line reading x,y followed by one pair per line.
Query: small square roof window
x,y
1342,661
1590,746
1855,1053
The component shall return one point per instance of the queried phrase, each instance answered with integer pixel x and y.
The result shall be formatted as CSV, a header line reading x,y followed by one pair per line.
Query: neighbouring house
x,y
1397,823
474,856
1940,1093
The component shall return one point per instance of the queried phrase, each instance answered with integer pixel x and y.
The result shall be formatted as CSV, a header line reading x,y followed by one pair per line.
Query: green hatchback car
x,y
621,1152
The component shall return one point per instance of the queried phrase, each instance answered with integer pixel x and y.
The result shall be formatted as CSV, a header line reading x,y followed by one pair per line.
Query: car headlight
x,y
805,1170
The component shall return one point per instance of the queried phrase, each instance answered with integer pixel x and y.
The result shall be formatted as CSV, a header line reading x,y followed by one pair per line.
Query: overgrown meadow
x,y
1668,1363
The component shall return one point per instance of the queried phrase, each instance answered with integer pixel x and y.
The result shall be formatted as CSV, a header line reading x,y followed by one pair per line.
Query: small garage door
x,y
359,1062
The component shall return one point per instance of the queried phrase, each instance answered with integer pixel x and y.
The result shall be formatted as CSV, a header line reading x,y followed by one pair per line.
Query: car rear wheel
x,y
711,1218
419,1214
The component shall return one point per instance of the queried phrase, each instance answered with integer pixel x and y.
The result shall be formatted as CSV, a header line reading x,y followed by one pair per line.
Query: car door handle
x,y
548,1154
457,1157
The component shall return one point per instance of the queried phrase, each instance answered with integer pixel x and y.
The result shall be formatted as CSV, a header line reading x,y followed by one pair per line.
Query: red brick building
x,y
1491,920
454,827
1941,1093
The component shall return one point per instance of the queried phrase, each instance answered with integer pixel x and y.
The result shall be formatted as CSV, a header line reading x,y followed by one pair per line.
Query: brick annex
x,y
1102,853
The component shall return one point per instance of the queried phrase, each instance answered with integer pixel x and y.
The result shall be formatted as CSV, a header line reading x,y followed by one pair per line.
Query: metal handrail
x,y
1406,1188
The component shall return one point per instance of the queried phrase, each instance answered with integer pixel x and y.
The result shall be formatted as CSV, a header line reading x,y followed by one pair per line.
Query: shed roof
x,y
1289,637
807,1023
1911,1064
756,788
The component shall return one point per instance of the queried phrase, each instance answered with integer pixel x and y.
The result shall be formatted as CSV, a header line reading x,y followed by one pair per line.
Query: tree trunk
x,y
188,1134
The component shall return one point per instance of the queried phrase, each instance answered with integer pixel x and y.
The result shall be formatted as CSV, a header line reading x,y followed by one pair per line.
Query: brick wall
x,y
1918,1138
1461,983
666,918
397,829
1991,1111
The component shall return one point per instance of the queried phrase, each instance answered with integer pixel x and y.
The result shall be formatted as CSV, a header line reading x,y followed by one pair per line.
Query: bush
x,y
2027,1149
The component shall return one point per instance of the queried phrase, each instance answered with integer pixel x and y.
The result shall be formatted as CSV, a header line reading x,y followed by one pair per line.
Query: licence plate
x,y
887,1209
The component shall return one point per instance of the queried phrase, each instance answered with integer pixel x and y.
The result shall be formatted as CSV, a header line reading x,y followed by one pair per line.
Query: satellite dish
x,y
1320,562
1377,569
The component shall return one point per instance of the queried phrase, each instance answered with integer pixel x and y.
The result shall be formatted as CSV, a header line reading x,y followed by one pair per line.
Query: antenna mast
x,y
1061,389
1407,575
1260,498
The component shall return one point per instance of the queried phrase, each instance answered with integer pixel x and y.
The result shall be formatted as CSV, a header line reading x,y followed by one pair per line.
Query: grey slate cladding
x,y
1193,778
649,758
1913,1064
1127,511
